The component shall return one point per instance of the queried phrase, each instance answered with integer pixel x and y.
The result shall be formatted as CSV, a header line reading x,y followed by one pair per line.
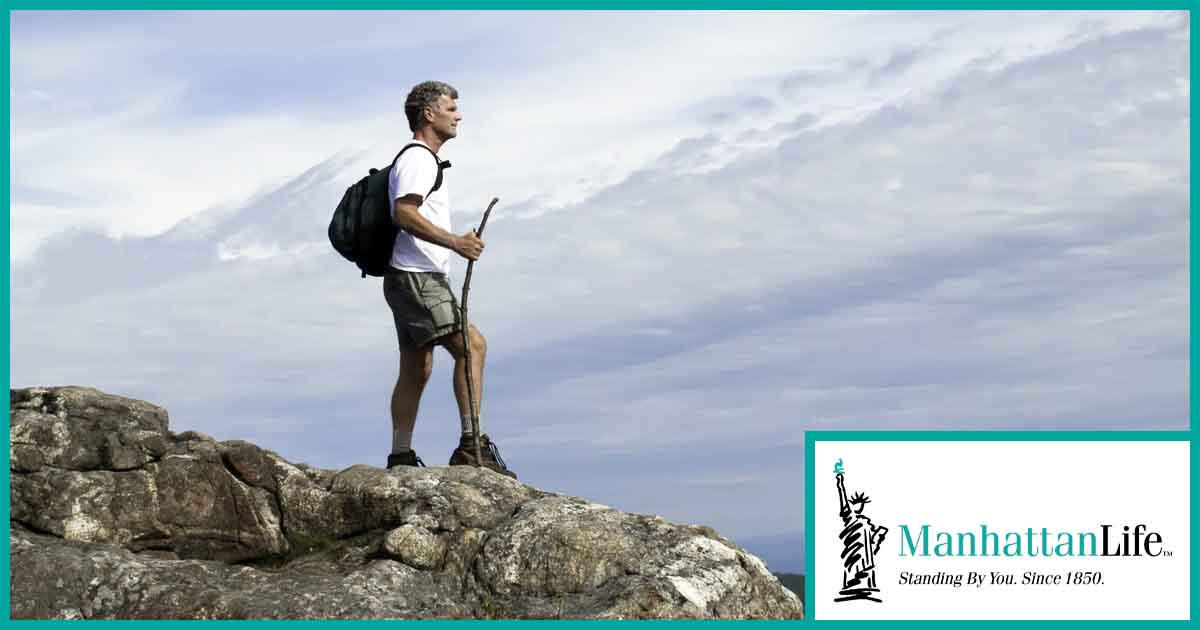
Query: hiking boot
x,y
404,459
464,455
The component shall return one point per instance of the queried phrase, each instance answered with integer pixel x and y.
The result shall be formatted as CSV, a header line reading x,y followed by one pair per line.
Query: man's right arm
x,y
407,218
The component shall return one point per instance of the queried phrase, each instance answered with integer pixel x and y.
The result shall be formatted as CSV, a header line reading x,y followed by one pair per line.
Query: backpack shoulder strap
x,y
441,164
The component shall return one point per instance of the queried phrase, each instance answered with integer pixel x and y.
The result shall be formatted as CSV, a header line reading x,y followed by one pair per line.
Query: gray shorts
x,y
423,306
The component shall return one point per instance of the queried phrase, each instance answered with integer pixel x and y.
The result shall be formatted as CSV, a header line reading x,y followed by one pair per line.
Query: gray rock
x,y
115,517
416,546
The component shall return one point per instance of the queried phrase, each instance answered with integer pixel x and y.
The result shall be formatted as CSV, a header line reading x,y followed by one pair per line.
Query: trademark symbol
x,y
1167,554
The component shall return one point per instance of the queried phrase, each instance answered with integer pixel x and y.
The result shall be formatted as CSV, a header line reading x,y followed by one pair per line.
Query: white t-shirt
x,y
415,173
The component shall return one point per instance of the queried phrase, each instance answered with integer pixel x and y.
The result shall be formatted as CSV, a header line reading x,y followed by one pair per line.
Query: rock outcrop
x,y
115,517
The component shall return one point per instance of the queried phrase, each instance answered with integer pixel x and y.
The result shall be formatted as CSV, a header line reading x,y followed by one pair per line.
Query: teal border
x,y
812,437
4,605
602,5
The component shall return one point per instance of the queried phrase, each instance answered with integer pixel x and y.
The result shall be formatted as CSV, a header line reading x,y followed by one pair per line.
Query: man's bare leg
x,y
465,454
415,368
453,344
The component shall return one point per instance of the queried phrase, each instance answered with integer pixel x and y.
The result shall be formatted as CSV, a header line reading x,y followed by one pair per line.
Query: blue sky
x,y
716,230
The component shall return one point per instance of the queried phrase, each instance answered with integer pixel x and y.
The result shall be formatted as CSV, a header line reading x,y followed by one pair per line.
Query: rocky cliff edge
x,y
115,517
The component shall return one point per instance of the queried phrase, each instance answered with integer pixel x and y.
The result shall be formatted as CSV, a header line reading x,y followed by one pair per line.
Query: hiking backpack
x,y
362,229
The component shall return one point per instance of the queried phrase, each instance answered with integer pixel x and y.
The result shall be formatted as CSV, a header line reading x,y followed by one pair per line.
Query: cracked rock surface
x,y
115,517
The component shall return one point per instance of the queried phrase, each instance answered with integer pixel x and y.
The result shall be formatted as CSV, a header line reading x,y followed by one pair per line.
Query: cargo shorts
x,y
423,306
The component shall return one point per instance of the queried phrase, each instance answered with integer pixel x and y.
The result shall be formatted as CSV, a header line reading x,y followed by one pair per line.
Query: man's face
x,y
445,117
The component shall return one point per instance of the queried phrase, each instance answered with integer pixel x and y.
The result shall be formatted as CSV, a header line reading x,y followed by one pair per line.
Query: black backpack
x,y
362,229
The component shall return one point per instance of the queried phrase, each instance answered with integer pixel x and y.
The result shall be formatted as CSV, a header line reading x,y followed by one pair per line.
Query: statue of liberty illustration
x,y
861,540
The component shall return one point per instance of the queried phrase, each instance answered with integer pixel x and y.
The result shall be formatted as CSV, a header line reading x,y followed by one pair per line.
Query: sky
x,y
715,232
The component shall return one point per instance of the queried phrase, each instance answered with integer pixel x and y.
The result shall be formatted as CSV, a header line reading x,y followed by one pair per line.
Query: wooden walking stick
x,y
466,326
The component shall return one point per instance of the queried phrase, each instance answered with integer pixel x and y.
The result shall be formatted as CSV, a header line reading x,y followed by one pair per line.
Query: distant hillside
x,y
794,582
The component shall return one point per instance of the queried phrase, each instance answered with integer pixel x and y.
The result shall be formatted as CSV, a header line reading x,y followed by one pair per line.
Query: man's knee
x,y
454,343
478,342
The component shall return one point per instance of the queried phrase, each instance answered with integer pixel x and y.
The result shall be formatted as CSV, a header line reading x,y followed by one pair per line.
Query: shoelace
x,y
495,452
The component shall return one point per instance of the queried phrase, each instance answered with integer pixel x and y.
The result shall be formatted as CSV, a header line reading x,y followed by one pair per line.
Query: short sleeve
x,y
414,174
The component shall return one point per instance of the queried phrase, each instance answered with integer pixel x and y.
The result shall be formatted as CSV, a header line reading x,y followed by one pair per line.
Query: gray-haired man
x,y
417,287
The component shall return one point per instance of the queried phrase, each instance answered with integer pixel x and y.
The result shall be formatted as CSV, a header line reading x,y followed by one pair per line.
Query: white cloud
x,y
535,133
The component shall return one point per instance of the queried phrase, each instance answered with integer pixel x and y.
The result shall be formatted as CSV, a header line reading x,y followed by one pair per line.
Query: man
x,y
416,286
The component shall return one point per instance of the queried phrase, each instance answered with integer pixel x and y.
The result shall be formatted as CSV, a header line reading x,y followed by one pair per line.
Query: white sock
x,y
466,425
401,441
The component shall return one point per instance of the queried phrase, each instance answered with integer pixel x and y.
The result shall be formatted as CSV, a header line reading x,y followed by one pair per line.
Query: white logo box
x,y
1035,505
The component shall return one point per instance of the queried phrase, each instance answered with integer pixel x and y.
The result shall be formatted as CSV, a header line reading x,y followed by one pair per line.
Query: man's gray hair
x,y
425,95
